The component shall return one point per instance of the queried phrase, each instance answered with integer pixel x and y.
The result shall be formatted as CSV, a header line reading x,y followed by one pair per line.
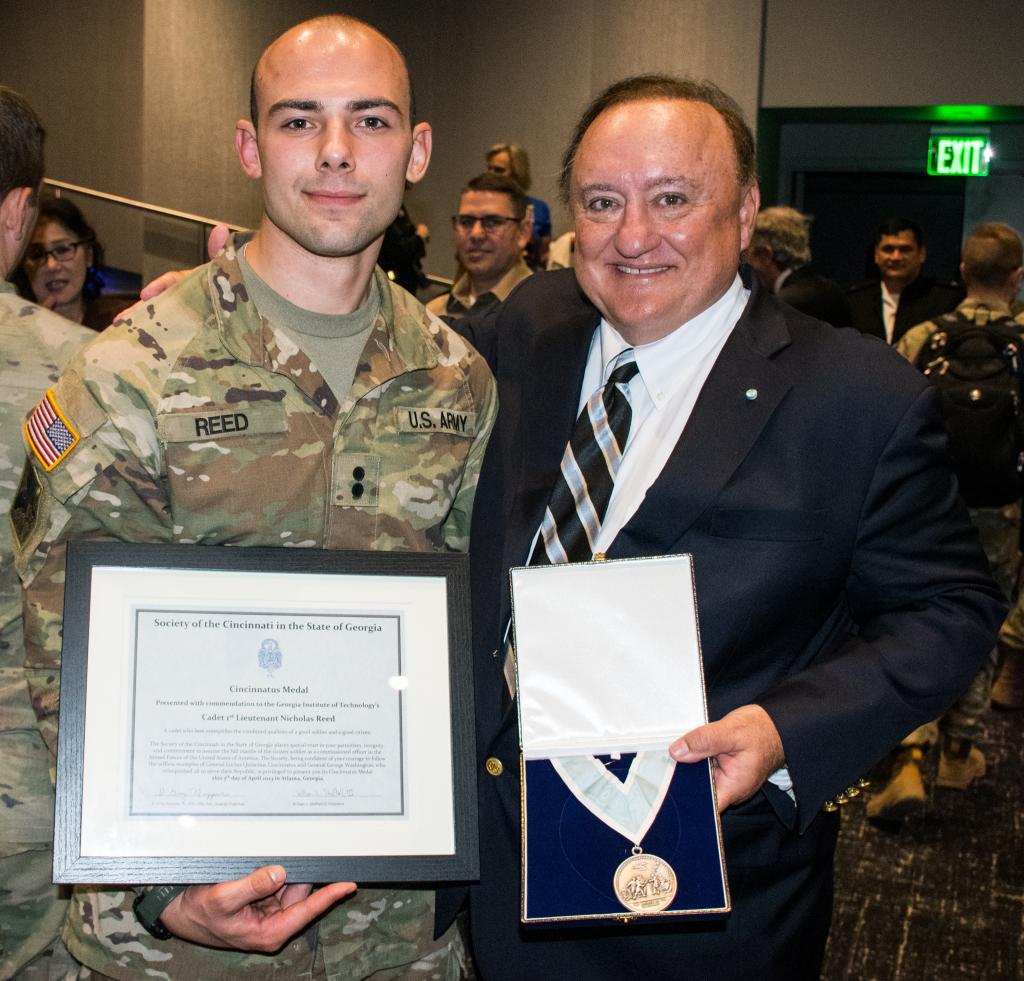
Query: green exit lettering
x,y
958,156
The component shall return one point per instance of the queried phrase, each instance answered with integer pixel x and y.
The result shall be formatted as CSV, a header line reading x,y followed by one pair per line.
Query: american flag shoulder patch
x,y
49,433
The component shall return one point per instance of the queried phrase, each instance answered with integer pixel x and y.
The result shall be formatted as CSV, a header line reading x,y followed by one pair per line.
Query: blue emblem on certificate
x,y
270,656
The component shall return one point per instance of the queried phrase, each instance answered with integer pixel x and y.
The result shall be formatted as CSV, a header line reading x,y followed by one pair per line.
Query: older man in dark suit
x,y
780,254
843,598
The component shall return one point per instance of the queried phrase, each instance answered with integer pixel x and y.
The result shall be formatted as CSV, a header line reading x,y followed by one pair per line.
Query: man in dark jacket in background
x,y
902,297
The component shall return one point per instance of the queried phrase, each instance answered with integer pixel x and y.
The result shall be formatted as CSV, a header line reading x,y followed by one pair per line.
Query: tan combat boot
x,y
960,764
903,794
1008,689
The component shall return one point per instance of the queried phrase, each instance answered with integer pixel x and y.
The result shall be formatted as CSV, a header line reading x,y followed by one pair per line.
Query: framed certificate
x,y
227,708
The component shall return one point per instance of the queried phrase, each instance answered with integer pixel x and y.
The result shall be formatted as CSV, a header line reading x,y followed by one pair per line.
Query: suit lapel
x,y
878,318
739,397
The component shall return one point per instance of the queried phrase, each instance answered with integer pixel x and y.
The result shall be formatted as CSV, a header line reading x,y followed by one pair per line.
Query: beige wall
x,y
198,59
80,65
881,53
140,96
523,76
481,76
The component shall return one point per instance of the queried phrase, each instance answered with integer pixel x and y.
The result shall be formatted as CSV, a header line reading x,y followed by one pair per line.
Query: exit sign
x,y
959,154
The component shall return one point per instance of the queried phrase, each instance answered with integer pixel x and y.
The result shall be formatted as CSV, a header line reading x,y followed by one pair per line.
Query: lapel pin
x,y
751,394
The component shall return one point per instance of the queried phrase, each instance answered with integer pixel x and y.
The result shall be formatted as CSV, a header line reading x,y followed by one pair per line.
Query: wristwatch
x,y
149,905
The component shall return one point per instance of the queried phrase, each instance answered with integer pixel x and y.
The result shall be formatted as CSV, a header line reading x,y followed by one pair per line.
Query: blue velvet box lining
x,y
570,856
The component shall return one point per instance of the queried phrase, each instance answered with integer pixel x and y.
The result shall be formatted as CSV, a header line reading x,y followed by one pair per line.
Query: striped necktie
x,y
580,498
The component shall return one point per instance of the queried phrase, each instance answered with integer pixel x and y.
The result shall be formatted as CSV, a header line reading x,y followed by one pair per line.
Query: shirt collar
x,y
660,361
400,341
969,307
501,289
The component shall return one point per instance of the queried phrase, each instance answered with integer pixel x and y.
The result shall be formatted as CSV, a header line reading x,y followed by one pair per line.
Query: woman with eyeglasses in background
x,y
59,270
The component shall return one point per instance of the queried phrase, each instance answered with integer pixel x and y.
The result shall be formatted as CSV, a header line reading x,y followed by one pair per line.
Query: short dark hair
x,y
991,253
489,183
651,88
897,226
21,143
254,110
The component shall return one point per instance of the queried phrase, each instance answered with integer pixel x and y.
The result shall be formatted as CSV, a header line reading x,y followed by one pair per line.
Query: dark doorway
x,y
848,207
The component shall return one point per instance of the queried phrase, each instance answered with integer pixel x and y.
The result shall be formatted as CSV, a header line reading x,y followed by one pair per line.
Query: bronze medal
x,y
645,883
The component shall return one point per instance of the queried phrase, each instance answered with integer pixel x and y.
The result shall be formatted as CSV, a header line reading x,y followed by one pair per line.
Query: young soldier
x,y
298,334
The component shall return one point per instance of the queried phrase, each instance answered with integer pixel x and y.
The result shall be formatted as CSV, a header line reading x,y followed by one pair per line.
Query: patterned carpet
x,y
943,898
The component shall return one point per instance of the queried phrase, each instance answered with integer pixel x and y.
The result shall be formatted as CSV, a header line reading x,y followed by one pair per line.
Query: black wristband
x,y
150,905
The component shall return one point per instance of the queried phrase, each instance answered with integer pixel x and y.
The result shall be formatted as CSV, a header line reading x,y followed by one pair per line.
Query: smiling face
x,y
660,217
335,145
487,256
56,284
899,259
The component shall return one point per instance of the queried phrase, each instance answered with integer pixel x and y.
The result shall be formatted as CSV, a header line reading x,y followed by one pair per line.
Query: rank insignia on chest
x,y
49,433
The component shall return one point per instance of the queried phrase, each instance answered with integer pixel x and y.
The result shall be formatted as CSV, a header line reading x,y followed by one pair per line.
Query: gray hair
x,y
787,232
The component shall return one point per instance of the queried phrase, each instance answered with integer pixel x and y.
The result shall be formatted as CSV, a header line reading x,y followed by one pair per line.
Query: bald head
x,y
318,36
335,146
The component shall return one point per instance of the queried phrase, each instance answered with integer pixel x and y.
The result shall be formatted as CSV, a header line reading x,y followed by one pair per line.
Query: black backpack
x,y
977,368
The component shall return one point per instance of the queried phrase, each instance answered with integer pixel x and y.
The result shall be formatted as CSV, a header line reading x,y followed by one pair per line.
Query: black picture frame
x,y
72,866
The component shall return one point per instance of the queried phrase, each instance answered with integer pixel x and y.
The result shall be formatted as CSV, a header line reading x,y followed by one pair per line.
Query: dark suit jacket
x,y
817,296
922,300
839,582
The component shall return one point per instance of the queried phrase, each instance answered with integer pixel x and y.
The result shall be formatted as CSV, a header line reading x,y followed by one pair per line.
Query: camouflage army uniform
x,y
34,344
198,422
998,531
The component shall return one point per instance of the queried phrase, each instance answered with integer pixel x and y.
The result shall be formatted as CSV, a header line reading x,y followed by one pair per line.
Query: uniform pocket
x,y
251,475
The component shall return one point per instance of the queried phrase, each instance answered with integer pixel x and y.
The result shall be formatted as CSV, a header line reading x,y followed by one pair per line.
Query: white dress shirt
x,y
662,394
672,373
890,301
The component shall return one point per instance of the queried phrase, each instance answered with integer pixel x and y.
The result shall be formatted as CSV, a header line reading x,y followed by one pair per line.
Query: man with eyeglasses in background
x,y
492,228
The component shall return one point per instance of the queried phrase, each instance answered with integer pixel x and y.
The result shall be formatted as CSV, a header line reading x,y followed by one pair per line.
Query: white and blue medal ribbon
x,y
627,806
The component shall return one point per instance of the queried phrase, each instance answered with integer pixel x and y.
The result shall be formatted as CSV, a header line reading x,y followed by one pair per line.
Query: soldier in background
x,y
1008,687
35,344
297,332
991,269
